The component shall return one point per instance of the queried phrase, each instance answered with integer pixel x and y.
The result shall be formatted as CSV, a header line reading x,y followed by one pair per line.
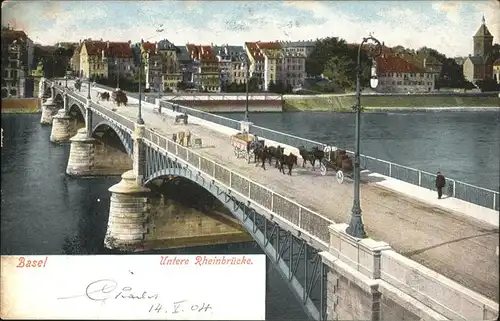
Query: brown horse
x,y
120,97
261,153
289,161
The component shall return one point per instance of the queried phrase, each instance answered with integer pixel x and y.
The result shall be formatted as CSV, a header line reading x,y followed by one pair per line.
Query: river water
x,y
46,212
462,145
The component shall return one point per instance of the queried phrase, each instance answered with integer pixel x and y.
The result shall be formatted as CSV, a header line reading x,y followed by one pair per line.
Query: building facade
x,y
93,60
480,65
17,57
75,60
171,70
207,77
397,75
257,60
151,65
231,67
273,63
120,60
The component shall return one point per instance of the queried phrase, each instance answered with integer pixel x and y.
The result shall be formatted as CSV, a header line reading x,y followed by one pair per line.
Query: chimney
x,y
102,54
156,47
425,61
142,40
107,44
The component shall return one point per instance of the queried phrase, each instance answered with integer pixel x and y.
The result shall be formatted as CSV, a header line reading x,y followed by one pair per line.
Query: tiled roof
x,y
149,46
269,45
483,31
391,63
476,60
95,47
496,62
166,45
119,50
8,36
254,51
200,52
111,49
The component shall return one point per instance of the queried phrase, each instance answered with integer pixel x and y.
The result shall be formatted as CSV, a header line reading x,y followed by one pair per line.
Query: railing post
x,y
300,216
249,189
230,180
494,200
454,185
199,161
213,174
390,169
419,178
88,119
272,202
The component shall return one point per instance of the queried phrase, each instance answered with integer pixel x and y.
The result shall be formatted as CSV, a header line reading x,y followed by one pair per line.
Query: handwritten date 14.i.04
x,y
181,307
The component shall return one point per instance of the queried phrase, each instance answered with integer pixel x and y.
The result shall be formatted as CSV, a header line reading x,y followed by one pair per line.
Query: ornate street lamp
x,y
356,227
117,65
246,63
140,121
89,97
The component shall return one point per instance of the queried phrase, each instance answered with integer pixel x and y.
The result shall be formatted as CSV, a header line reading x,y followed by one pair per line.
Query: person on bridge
x,y
440,183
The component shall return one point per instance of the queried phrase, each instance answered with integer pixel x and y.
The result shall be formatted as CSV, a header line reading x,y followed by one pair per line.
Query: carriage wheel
x,y
323,169
340,177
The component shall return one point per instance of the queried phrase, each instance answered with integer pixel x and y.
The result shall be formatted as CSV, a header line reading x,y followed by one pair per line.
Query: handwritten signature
x,y
102,290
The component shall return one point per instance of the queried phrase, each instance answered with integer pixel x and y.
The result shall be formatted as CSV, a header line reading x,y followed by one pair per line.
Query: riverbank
x,y
343,103
21,106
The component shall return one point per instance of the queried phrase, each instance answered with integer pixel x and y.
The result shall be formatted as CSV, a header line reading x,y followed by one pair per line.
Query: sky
x,y
447,26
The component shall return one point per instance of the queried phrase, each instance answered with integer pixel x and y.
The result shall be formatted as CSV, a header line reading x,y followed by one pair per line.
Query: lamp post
x,y
140,121
356,227
117,64
89,97
246,62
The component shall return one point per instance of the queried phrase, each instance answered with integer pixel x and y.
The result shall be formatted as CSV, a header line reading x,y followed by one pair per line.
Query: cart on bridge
x,y
241,143
339,161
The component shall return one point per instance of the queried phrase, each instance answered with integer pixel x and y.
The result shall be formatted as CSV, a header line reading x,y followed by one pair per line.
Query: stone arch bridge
x,y
333,275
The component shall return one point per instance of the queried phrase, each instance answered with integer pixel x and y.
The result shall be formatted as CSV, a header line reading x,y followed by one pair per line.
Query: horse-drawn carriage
x,y
339,161
329,159
244,145
119,97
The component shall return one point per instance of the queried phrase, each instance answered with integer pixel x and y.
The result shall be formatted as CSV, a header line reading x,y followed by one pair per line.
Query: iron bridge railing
x,y
463,191
307,221
460,190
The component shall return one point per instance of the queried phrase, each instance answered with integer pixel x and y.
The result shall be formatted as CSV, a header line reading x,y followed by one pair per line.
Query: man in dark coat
x,y
440,183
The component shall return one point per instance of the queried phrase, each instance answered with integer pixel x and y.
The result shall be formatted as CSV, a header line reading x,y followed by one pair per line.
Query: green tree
x,y
324,50
342,71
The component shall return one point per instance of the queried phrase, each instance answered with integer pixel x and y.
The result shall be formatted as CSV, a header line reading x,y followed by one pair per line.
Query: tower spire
x,y
483,21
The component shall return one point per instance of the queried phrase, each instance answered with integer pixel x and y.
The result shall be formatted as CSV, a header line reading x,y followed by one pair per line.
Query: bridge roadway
x,y
457,247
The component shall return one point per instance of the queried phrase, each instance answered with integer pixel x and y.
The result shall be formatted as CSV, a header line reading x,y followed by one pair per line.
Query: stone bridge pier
x,y
144,217
96,150
49,107
66,122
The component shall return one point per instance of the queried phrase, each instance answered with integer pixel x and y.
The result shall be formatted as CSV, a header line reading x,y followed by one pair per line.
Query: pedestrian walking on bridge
x,y
440,183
